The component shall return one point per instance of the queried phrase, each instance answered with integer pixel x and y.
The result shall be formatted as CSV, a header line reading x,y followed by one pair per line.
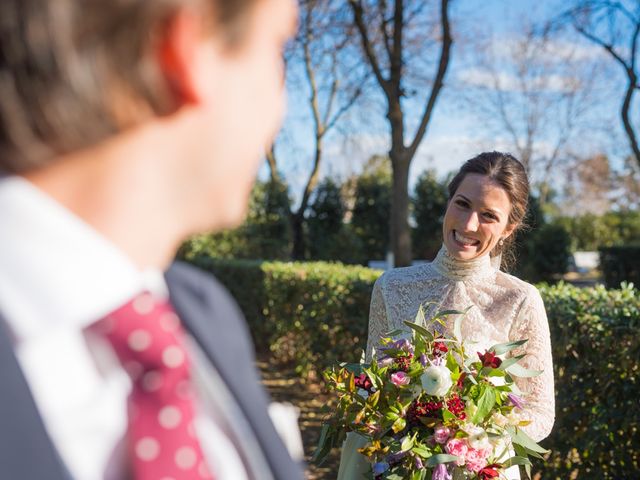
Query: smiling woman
x,y
487,204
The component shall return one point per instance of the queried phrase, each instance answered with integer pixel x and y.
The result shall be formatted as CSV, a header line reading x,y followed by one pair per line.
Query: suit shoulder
x,y
185,275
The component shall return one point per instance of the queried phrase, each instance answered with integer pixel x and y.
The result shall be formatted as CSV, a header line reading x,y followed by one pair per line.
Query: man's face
x,y
242,111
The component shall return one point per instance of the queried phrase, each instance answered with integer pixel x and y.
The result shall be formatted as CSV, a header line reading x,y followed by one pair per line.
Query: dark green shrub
x,y
310,313
620,264
429,205
316,313
596,349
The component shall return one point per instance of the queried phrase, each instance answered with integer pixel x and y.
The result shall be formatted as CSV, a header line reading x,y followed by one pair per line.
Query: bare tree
x,y
389,33
535,91
321,57
615,26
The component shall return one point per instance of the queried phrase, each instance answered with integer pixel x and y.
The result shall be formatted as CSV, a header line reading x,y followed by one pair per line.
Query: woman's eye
x,y
490,216
462,203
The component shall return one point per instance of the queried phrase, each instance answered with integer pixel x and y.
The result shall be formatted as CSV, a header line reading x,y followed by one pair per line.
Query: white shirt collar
x,y
56,271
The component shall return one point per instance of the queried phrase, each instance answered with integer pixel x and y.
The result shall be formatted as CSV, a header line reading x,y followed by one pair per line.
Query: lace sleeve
x,y
531,323
378,321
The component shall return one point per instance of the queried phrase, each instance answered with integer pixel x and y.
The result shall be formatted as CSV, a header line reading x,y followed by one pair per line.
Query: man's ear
x,y
178,55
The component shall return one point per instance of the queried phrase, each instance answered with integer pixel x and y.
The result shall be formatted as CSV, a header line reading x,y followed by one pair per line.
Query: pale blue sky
x,y
454,133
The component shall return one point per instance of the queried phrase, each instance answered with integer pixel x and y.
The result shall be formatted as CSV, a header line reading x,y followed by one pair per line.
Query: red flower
x,y
456,405
489,359
439,348
402,363
362,381
490,471
423,409
460,382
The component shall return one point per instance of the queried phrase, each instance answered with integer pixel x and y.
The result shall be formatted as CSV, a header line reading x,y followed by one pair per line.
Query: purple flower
x,y
400,379
385,362
515,400
402,344
441,473
418,463
441,434
424,361
396,457
380,467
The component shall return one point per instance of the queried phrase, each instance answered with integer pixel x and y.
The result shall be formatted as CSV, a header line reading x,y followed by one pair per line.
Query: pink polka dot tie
x,y
148,338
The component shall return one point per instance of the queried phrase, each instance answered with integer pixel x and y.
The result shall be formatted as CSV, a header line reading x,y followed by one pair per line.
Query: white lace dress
x,y
504,309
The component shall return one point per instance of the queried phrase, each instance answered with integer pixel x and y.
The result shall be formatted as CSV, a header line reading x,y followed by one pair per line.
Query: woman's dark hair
x,y
505,170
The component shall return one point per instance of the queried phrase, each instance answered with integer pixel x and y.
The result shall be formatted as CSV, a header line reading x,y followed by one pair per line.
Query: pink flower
x,y
476,459
459,448
441,434
400,378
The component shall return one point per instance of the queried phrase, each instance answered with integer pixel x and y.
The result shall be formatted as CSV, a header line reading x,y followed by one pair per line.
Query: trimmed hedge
x,y
316,313
620,264
596,348
308,313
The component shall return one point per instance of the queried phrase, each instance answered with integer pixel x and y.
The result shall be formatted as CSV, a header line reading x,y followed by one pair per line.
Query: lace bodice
x,y
504,309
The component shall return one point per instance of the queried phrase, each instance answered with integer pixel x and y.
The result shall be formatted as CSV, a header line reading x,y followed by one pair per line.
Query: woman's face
x,y
476,218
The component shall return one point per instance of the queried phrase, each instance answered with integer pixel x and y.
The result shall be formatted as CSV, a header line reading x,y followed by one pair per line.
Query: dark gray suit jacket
x,y
214,321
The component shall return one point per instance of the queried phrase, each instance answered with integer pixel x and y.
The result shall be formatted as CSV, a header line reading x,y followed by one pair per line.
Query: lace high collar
x,y
456,269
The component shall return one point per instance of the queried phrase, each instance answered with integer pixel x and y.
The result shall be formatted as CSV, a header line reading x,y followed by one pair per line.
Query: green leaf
x,y
457,328
485,403
407,444
520,438
419,475
516,461
419,329
503,348
399,425
447,416
373,399
441,458
422,451
506,363
520,371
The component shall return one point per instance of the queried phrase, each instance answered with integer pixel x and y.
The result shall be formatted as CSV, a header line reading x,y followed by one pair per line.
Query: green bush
x,y
620,264
596,349
311,314
316,313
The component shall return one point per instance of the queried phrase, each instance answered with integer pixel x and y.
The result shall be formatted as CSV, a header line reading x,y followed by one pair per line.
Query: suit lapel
x,y
219,329
26,451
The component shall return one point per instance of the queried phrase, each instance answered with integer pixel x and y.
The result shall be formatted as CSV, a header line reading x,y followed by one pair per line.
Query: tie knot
x,y
147,336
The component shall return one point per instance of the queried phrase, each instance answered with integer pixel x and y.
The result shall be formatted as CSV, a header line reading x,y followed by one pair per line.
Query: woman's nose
x,y
471,223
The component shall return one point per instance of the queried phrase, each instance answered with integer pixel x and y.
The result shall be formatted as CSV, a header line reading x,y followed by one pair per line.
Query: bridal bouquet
x,y
430,409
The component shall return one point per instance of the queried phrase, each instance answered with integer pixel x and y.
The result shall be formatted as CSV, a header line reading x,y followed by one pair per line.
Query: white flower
x,y
363,393
499,419
436,380
478,439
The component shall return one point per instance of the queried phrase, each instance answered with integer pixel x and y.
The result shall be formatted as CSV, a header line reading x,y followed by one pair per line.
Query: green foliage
x,y
315,313
429,205
542,249
311,314
596,350
372,209
620,264
590,232
265,234
329,237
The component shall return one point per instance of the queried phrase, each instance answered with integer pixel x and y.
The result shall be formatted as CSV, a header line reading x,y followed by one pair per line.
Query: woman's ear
x,y
508,231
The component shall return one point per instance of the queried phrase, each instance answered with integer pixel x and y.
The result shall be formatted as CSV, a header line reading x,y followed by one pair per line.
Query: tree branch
x,y
438,82
358,16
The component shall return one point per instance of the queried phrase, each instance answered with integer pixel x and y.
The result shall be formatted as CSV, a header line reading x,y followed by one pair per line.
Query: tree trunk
x,y
400,232
626,105
297,231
